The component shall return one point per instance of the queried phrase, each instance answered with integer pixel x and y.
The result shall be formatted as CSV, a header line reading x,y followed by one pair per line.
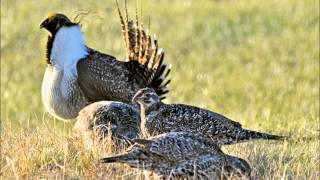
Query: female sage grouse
x,y
100,119
181,155
77,75
158,118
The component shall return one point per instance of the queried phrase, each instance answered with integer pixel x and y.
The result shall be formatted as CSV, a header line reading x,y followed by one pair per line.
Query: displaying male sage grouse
x,y
100,119
181,155
77,75
158,118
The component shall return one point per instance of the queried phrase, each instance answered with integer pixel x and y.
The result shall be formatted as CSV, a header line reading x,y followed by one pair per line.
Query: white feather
x,y
67,49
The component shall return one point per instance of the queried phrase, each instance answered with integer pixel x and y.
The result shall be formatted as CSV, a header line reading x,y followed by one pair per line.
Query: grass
x,y
256,62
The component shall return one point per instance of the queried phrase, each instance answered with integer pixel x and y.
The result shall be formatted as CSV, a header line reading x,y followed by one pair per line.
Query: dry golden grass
x,y
44,153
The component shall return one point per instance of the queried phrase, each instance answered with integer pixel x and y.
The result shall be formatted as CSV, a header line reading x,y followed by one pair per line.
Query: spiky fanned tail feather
x,y
145,53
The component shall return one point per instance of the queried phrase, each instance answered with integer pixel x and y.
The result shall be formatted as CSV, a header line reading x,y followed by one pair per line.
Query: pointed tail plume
x,y
131,158
113,159
248,134
244,135
144,50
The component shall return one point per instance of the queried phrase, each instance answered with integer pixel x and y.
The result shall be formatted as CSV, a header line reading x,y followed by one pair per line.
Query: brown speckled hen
x,y
158,117
97,121
182,155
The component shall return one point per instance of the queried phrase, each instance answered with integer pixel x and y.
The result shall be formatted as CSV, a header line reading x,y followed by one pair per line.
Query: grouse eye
x,y
148,95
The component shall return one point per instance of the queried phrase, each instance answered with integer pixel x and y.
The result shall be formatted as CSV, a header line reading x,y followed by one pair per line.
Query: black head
x,y
146,97
55,21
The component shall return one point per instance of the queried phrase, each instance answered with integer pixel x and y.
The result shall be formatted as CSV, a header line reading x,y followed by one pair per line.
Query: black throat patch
x,y
49,48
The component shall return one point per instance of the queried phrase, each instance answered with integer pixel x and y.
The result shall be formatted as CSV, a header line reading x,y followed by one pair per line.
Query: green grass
x,y
256,62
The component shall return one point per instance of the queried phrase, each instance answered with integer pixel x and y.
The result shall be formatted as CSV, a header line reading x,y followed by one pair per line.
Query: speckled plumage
x,y
96,120
158,118
74,79
181,155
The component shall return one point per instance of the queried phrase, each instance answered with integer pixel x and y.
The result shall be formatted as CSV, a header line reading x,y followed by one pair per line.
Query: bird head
x,y
55,21
146,97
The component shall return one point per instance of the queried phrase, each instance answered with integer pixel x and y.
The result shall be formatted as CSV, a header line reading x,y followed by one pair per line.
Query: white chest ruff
x,y
61,94
67,49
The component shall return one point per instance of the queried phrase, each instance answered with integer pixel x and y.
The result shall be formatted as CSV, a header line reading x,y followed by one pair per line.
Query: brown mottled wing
x,y
103,77
210,167
179,146
218,128
140,48
203,167
181,117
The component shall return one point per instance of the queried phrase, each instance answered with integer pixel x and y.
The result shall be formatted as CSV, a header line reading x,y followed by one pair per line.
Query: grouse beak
x,y
44,23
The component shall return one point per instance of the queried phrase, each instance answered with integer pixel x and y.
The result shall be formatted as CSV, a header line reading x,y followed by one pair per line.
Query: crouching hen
x,y
158,118
100,119
182,155
77,75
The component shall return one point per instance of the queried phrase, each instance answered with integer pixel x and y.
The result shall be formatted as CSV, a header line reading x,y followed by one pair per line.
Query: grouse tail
x,y
245,135
144,52
113,159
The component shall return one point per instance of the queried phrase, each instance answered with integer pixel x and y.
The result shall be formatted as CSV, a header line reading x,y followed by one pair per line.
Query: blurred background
x,y
256,62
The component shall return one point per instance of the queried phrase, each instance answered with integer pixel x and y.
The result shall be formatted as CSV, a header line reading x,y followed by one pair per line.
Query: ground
x,y
256,62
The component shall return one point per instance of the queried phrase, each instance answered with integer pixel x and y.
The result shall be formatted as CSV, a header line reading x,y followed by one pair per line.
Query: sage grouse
x,y
77,75
158,118
181,155
100,119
